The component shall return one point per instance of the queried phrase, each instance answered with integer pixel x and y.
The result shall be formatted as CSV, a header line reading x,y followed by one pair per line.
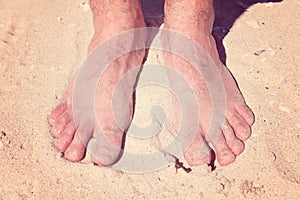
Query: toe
x,y
105,154
197,152
64,139
57,112
224,154
241,128
199,156
235,145
61,122
106,148
76,150
245,112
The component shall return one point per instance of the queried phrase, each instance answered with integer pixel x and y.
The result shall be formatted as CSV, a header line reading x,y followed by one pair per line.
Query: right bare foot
x,y
195,22
110,18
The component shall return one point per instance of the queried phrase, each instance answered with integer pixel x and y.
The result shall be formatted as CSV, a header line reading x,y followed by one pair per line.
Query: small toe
x,y
224,155
241,129
76,150
235,145
64,139
245,112
57,112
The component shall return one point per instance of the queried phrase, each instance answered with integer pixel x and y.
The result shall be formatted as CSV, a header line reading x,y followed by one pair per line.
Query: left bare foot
x,y
110,19
195,21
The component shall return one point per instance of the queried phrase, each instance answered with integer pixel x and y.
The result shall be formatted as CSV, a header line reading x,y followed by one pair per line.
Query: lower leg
x,y
195,20
114,16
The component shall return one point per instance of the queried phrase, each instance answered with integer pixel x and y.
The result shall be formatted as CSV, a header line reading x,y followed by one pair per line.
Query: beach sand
x,y
43,42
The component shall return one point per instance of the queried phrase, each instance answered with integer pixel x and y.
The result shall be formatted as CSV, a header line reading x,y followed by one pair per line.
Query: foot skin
x,y
68,139
196,23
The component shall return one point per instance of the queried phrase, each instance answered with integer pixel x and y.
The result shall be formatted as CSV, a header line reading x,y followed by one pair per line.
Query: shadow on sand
x,y
227,12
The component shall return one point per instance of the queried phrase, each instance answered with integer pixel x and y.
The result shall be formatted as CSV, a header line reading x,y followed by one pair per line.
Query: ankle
x,y
116,15
114,19
195,21
197,15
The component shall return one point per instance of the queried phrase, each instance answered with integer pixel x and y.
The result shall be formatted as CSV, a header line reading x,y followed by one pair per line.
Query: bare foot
x,y
195,21
110,18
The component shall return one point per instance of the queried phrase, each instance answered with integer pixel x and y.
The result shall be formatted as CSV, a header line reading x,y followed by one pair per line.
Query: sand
x,y
42,42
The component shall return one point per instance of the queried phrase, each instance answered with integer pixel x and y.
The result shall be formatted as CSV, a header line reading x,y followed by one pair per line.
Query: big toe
x,y
105,149
76,150
197,152
104,153
199,156
224,155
